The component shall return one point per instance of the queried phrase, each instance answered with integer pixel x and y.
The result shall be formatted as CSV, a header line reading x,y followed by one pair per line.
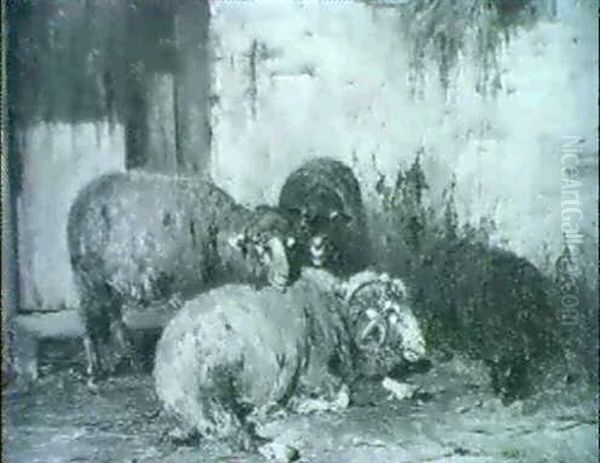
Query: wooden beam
x,y
192,86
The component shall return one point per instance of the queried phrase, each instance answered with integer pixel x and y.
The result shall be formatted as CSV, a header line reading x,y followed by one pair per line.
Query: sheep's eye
x,y
262,247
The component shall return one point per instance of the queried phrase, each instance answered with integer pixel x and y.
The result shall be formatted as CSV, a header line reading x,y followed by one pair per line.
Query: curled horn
x,y
376,323
351,294
371,279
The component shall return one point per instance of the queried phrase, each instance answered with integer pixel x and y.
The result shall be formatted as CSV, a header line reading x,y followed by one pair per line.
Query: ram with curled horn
x,y
384,324
233,354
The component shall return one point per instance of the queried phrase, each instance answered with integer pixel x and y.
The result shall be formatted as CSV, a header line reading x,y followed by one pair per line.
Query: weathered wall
x,y
301,79
290,80
58,160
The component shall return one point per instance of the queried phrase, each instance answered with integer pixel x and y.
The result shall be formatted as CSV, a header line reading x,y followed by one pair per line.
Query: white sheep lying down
x,y
236,352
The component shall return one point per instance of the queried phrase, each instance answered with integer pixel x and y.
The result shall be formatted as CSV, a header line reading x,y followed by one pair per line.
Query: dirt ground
x,y
454,417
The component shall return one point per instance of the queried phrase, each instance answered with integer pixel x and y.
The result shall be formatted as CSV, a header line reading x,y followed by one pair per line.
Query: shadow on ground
x,y
454,417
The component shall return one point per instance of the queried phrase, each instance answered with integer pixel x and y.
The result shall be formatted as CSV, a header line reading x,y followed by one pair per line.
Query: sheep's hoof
x,y
182,437
249,440
125,364
92,385
94,374
279,452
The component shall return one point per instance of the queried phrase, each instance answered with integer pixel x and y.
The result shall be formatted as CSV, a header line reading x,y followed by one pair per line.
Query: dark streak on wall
x,y
252,88
10,288
192,84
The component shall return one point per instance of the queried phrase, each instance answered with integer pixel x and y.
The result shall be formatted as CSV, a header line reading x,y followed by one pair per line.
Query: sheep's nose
x,y
317,250
374,334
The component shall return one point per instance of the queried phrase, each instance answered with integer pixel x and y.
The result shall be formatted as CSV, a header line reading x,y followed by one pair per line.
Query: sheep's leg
x,y
124,345
90,355
326,403
327,393
94,367
97,309
245,439
181,435
117,346
23,357
92,317
114,348
249,440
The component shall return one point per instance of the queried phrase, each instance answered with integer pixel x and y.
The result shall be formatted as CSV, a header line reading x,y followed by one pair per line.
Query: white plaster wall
x,y
331,79
58,160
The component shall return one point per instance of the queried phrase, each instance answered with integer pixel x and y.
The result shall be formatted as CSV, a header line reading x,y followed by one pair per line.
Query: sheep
x,y
323,200
138,240
233,355
380,314
491,305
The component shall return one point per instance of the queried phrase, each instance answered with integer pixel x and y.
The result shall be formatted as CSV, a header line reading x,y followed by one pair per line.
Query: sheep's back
x,y
148,230
254,338
327,173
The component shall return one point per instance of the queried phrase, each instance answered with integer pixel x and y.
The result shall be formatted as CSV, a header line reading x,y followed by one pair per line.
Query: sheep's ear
x,y
398,286
384,277
341,289
237,241
263,209
293,214
340,216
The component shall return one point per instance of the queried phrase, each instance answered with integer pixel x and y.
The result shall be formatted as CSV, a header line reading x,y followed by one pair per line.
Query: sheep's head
x,y
385,330
267,241
316,232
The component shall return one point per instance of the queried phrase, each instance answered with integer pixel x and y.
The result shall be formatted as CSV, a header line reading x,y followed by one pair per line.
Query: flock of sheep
x,y
273,304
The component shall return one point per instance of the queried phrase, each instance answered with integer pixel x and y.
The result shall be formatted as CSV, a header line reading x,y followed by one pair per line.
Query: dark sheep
x,y
137,240
323,199
233,354
492,305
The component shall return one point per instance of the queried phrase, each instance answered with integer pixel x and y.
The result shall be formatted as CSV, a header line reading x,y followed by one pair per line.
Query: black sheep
x,y
323,199
493,305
